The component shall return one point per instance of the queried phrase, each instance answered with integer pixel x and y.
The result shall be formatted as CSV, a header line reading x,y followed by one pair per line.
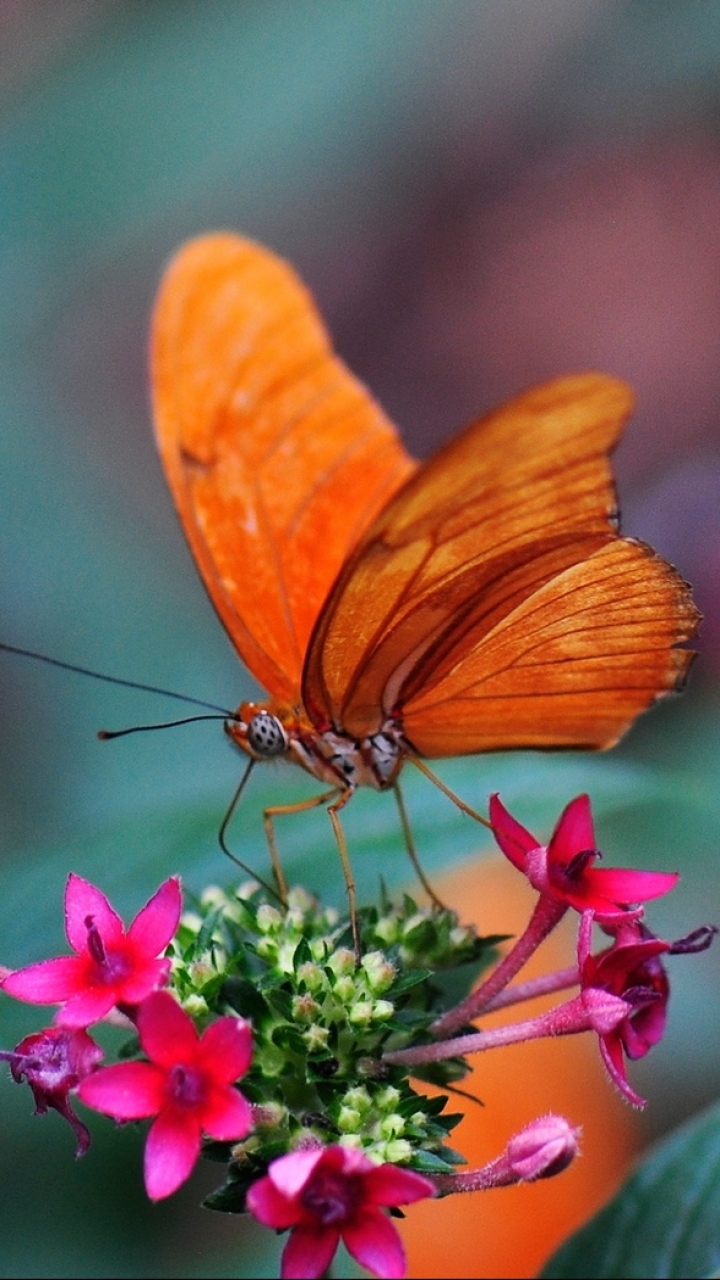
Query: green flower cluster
x,y
321,1020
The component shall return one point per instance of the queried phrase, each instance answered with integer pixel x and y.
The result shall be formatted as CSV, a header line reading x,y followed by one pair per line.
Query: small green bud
x,y
349,1120
268,918
397,1151
195,1005
316,1038
360,1013
342,962
380,972
382,1010
312,975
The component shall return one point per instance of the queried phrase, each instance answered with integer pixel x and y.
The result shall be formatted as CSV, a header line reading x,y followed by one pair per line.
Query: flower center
x,y
110,966
186,1086
330,1198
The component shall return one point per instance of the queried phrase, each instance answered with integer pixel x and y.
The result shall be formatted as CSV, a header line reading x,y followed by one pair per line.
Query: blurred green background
x,y
481,194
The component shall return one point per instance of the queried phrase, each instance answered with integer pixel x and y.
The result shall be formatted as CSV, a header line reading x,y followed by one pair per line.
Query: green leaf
x,y
665,1221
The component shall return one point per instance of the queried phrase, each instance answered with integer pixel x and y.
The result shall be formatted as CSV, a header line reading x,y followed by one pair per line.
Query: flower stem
x,y
548,912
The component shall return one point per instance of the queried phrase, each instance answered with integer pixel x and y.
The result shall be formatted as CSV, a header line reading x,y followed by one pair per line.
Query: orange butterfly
x,y
392,609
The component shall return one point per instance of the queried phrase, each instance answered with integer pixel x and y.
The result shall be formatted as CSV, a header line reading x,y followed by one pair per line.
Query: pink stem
x,y
548,912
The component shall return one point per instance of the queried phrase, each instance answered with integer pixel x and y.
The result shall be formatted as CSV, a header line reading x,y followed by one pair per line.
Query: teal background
x,y
480,194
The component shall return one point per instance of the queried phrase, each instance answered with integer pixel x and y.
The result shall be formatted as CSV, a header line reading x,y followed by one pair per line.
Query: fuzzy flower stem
x,y
548,912
586,1012
545,985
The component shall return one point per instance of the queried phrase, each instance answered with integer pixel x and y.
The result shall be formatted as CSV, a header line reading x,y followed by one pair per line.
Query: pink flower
x,y
563,870
632,971
53,1062
187,1085
111,966
334,1193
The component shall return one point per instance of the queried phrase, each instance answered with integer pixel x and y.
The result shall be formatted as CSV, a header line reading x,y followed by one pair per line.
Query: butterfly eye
x,y
265,735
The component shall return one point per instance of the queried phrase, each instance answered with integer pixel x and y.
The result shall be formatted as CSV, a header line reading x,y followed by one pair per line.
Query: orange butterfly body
x,y
479,601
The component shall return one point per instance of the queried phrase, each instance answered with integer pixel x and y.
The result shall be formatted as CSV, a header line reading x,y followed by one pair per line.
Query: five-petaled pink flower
x,y
187,1085
53,1062
332,1193
564,871
630,969
111,966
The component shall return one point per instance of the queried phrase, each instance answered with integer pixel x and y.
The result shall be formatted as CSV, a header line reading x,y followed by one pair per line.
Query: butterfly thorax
x,y
268,731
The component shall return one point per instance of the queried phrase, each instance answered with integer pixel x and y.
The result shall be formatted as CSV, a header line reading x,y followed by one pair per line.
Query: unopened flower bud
x,y
379,971
543,1148
342,962
268,918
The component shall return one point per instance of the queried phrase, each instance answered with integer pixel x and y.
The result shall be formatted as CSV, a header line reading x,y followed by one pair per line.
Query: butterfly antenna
x,y
223,829
412,849
105,735
461,805
221,712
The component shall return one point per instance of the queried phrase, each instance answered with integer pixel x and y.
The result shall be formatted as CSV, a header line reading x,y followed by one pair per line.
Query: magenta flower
x,y
631,969
187,1085
53,1062
333,1193
111,967
564,870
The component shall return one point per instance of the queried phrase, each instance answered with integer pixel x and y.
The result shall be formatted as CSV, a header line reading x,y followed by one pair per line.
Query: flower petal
x,y
226,1049
612,1056
271,1207
146,976
389,1185
86,1007
47,982
156,923
83,902
291,1172
167,1033
309,1252
226,1116
514,840
172,1147
125,1091
373,1241
621,885
574,832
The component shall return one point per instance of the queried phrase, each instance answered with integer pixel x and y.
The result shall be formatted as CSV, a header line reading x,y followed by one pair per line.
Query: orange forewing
x,y
499,605
484,598
277,457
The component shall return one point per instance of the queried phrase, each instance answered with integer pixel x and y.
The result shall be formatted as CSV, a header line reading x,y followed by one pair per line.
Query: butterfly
x,y
395,609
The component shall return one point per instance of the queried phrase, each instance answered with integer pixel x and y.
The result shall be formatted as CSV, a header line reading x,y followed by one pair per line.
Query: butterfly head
x,y
259,730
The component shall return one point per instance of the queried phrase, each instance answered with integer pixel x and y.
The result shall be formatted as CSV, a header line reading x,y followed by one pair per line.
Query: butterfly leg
x,y
333,811
412,850
269,814
461,805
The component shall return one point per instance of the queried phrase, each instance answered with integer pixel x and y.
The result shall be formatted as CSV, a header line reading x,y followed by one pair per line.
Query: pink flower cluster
x,y
623,989
187,1083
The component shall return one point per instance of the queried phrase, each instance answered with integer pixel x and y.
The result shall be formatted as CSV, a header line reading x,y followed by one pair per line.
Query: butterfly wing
x,y
493,602
277,457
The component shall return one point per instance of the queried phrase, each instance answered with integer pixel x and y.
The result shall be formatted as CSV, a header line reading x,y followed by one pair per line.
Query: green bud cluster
x,y
322,1018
